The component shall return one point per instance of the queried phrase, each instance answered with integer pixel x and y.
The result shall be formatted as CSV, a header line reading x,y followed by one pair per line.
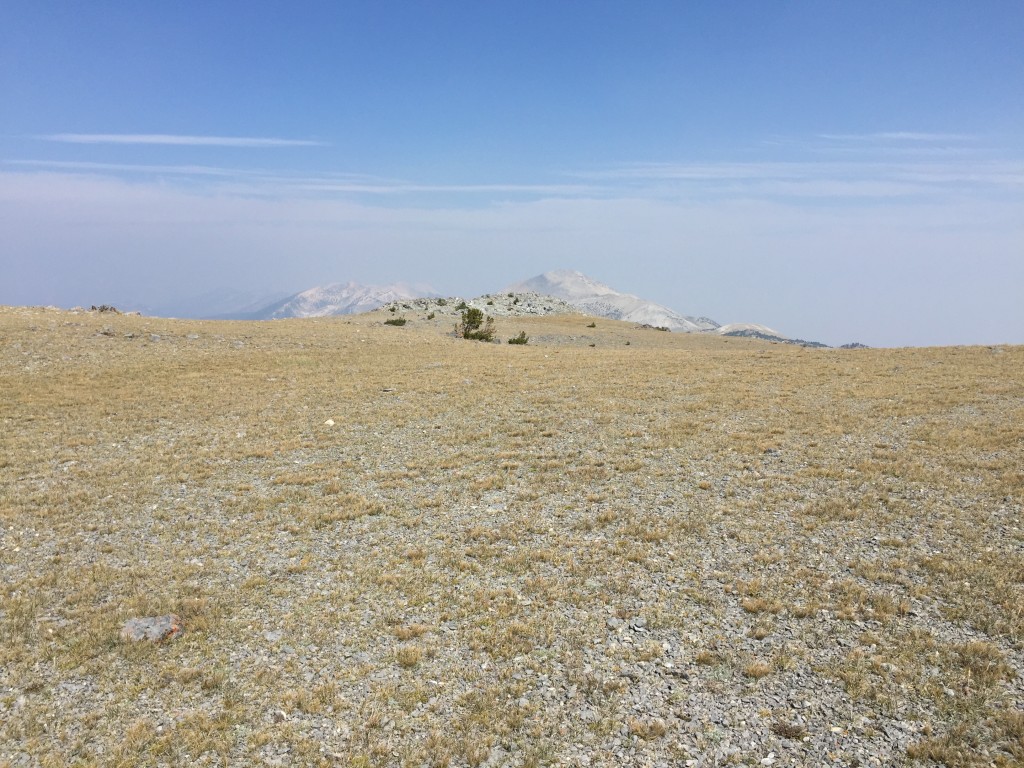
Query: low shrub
x,y
474,325
395,321
522,338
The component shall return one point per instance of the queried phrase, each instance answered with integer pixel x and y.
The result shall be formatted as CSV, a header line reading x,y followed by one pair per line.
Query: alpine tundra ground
x,y
611,546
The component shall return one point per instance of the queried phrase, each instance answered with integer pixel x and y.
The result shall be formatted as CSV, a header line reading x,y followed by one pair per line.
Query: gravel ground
x,y
391,547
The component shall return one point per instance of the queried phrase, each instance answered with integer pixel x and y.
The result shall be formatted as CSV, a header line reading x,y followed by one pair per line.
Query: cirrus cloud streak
x,y
166,139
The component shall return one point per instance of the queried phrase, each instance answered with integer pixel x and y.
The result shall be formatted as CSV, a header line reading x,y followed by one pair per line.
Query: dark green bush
x,y
474,325
522,338
472,318
396,321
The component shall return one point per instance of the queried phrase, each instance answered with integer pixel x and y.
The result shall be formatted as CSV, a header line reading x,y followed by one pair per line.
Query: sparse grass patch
x,y
411,631
708,658
408,656
760,605
647,728
757,669
983,663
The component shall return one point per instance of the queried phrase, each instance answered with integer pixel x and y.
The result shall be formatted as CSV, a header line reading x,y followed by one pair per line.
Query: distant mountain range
x,y
337,299
570,288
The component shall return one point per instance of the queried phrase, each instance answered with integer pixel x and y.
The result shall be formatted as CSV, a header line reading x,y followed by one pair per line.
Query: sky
x,y
838,171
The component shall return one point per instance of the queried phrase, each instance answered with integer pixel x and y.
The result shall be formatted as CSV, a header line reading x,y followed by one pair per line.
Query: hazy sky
x,y
837,171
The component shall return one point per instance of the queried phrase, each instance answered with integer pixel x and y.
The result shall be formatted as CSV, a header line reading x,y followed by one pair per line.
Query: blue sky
x,y
839,171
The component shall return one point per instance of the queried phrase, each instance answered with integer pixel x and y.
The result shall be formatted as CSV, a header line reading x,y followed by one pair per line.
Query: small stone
x,y
329,423
638,626
152,628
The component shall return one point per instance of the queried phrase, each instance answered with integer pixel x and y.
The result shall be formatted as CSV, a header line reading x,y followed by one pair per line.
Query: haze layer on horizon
x,y
840,173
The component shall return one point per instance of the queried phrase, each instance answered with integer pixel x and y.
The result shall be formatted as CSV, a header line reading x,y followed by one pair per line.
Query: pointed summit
x,y
595,298
566,284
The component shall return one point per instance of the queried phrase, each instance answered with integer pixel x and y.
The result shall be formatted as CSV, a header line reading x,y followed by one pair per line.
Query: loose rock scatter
x,y
391,547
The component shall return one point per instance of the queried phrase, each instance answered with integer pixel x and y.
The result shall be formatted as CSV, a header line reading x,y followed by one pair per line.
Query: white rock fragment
x,y
152,628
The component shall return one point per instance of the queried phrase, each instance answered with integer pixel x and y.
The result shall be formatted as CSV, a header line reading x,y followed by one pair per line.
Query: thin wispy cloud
x,y
165,139
277,183
403,188
994,172
897,136
82,165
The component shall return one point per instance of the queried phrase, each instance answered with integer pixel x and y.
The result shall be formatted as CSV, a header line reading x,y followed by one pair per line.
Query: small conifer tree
x,y
474,325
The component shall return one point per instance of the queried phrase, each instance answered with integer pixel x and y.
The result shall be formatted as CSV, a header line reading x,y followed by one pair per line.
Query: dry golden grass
x,y
456,568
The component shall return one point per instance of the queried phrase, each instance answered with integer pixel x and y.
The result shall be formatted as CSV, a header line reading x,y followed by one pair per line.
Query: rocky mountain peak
x,y
595,298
